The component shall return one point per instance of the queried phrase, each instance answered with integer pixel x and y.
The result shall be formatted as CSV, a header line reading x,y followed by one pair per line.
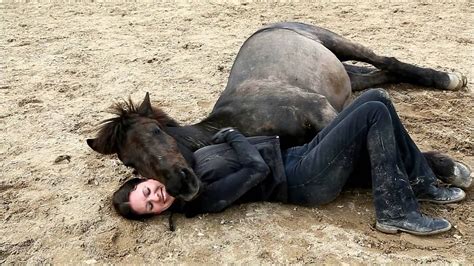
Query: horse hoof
x,y
461,176
456,81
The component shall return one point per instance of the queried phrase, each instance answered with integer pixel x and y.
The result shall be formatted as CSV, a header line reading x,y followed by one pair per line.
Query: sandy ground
x,y
62,65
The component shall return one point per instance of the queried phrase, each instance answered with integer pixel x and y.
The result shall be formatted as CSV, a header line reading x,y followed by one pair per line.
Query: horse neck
x,y
191,138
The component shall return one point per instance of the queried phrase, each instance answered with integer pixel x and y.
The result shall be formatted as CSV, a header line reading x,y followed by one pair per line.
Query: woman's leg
x,y
317,171
418,171
411,160
329,160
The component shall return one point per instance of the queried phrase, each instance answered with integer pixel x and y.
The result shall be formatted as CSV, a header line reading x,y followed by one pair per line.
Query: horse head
x,y
138,136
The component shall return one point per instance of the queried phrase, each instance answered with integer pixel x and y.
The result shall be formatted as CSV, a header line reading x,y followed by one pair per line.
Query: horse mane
x,y
112,131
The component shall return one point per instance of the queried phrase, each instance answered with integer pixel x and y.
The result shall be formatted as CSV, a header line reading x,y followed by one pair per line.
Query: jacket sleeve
x,y
220,194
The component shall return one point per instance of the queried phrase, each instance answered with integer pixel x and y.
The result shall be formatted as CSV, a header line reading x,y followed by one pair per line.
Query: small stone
x,y
61,158
91,261
91,181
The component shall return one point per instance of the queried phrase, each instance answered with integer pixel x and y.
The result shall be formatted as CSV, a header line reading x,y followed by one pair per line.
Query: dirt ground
x,y
63,65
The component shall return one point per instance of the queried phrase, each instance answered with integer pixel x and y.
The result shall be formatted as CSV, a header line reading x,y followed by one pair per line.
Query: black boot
x,y
442,195
414,223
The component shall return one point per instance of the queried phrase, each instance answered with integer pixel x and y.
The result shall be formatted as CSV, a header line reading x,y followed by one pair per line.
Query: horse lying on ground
x,y
288,79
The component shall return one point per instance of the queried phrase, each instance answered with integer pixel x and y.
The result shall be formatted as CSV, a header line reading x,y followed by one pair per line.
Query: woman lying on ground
x,y
366,143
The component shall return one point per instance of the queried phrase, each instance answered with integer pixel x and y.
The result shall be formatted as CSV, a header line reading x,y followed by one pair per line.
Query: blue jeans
x,y
366,141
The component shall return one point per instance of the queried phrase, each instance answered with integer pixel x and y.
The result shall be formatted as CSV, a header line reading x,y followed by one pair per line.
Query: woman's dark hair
x,y
121,202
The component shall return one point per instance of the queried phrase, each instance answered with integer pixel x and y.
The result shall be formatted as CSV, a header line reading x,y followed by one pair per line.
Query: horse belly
x,y
292,113
294,59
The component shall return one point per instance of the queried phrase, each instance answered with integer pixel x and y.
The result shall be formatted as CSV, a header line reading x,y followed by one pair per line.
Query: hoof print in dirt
x,y
28,101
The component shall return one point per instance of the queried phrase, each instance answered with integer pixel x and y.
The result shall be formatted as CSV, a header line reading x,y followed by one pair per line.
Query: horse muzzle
x,y
183,184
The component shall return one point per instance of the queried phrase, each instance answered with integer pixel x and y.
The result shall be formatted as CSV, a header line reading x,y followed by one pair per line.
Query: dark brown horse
x,y
288,79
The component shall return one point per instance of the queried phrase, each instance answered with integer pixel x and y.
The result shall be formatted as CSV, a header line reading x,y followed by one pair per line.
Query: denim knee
x,y
375,110
378,94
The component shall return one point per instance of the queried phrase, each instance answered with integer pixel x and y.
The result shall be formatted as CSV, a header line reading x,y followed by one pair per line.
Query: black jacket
x,y
240,170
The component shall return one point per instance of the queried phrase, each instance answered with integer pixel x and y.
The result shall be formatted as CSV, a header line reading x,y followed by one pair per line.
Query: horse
x,y
288,79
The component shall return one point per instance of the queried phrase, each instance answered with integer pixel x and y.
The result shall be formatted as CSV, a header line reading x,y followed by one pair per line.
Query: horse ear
x,y
145,108
100,147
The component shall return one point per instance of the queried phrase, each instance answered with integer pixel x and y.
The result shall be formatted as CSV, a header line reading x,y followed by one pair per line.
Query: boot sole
x,y
389,229
444,201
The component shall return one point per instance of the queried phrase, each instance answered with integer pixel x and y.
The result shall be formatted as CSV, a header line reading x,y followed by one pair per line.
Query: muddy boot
x,y
414,223
442,195
448,170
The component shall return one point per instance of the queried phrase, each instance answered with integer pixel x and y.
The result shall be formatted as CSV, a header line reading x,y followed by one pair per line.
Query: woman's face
x,y
150,196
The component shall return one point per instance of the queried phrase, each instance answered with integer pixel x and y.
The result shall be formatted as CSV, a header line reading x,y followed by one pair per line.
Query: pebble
x,y
91,261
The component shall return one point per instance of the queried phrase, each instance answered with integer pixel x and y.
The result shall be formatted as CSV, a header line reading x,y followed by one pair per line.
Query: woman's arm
x,y
220,194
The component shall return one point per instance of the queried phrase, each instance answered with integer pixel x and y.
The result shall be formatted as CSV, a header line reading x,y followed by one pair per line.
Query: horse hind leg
x,y
390,66
368,77
418,75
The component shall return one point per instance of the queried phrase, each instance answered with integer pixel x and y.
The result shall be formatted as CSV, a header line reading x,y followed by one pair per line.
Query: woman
x,y
365,143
